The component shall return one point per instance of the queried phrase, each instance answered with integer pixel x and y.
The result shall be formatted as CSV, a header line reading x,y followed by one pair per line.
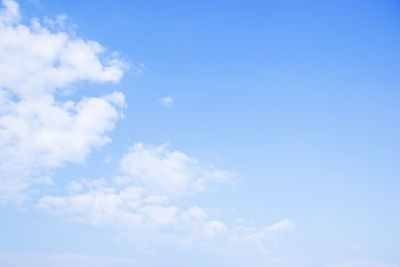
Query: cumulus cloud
x,y
38,131
167,172
166,101
35,61
128,210
151,178
144,199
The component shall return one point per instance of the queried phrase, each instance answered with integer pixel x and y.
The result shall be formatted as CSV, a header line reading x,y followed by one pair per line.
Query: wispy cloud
x,y
166,101
138,68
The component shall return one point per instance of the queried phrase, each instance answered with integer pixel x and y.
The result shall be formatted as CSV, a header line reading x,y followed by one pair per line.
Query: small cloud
x,y
60,23
139,68
166,101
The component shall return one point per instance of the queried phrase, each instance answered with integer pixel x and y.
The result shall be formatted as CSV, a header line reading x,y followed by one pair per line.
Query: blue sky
x,y
199,133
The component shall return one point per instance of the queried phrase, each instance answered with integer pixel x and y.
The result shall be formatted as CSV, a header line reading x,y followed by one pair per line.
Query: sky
x,y
200,133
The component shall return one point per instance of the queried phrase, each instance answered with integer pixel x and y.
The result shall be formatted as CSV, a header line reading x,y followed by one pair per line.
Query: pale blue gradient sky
x,y
299,99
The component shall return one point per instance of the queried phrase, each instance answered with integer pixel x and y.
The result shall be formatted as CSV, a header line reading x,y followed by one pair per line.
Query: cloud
x,y
10,14
138,69
74,187
167,172
43,127
271,232
38,131
140,198
145,224
127,211
36,61
166,101
144,201
256,238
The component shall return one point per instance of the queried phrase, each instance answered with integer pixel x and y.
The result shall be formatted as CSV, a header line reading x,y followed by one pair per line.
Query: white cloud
x,y
159,215
214,228
128,210
74,187
282,226
143,202
166,101
253,237
167,172
39,132
35,61
271,232
10,14
154,199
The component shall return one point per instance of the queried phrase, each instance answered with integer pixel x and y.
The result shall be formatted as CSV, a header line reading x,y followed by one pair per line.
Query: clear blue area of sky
x,y
301,99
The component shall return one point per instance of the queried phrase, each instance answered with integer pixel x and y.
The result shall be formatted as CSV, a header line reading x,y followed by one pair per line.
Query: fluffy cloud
x,y
35,61
152,177
126,210
145,199
38,131
167,172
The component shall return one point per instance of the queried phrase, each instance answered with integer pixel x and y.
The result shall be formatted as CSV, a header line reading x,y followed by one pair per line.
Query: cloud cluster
x,y
36,61
38,131
41,131
170,172
144,200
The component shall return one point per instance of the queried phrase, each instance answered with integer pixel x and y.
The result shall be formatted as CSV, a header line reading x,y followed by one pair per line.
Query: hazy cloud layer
x,y
62,260
365,263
